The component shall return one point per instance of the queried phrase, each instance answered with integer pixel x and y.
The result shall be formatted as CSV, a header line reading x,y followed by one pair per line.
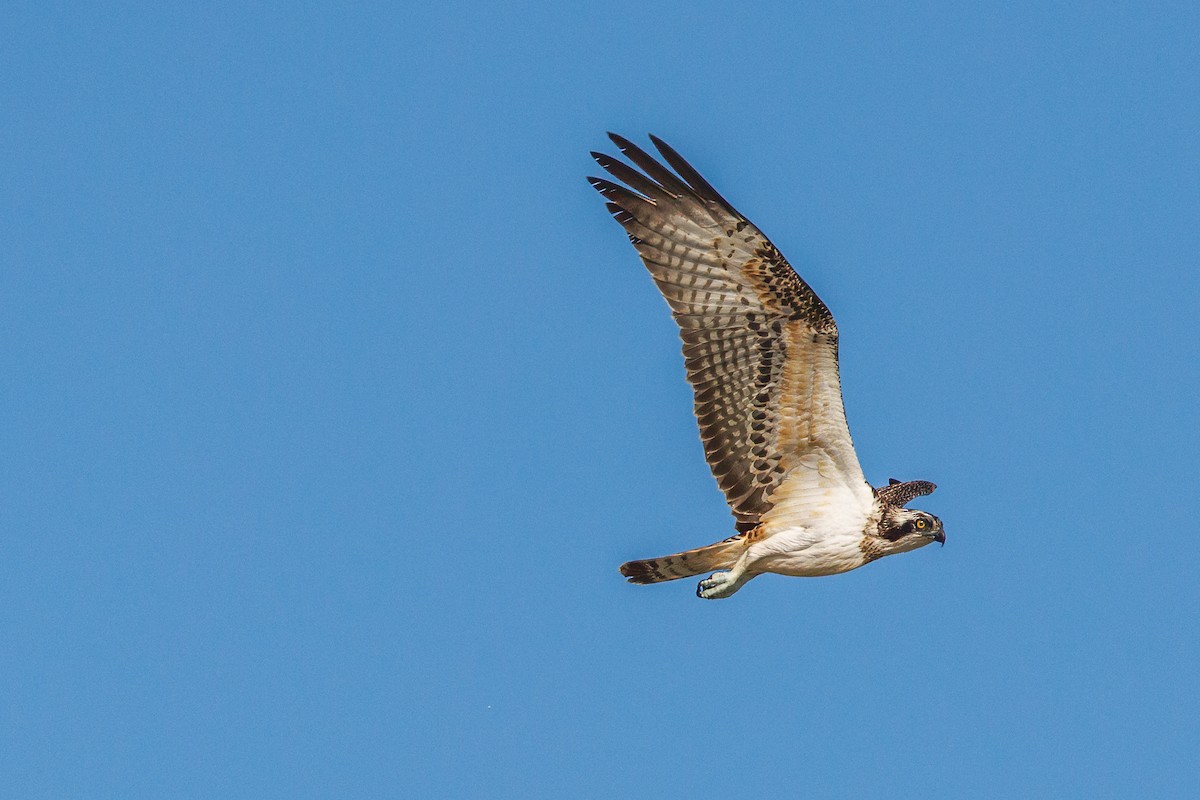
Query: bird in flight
x,y
761,352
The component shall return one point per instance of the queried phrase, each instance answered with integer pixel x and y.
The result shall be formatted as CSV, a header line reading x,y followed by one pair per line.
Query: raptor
x,y
761,352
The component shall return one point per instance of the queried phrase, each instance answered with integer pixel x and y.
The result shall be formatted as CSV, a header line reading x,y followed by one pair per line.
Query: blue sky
x,y
334,399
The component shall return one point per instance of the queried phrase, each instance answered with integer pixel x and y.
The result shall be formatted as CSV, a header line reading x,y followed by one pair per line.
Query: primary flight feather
x,y
761,355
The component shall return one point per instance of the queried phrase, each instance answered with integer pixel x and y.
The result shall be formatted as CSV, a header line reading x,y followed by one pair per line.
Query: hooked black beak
x,y
940,538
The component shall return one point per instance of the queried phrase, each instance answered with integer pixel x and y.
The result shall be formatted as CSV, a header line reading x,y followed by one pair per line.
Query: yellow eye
x,y
920,524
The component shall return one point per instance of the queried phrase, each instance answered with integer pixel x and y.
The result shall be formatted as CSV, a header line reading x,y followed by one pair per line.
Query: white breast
x,y
816,526
798,552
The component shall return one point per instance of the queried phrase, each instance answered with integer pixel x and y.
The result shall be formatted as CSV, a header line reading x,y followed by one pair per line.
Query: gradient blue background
x,y
333,398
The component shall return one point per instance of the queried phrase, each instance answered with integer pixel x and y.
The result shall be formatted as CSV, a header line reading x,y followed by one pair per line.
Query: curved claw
x,y
717,586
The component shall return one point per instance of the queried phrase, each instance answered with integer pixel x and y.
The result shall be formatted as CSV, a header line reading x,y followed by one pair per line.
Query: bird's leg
x,y
722,584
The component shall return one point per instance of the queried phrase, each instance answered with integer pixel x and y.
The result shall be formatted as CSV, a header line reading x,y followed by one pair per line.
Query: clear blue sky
x,y
333,398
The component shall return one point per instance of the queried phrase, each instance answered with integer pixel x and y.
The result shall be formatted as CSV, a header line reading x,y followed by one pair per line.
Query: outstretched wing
x,y
759,345
901,494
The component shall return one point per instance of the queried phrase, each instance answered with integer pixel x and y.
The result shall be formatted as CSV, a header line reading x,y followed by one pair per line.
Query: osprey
x,y
761,352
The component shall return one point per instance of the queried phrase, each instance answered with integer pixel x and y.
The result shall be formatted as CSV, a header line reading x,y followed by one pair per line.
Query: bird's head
x,y
908,529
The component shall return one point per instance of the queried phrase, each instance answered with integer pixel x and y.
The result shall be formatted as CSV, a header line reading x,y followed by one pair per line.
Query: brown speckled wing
x,y
759,345
901,494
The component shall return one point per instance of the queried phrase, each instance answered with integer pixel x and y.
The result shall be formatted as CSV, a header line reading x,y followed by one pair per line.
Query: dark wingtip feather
x,y
619,140
665,178
902,493
631,177
689,174
619,214
617,194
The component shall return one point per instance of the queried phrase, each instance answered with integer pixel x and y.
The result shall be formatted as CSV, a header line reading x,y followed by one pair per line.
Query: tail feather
x,y
685,564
